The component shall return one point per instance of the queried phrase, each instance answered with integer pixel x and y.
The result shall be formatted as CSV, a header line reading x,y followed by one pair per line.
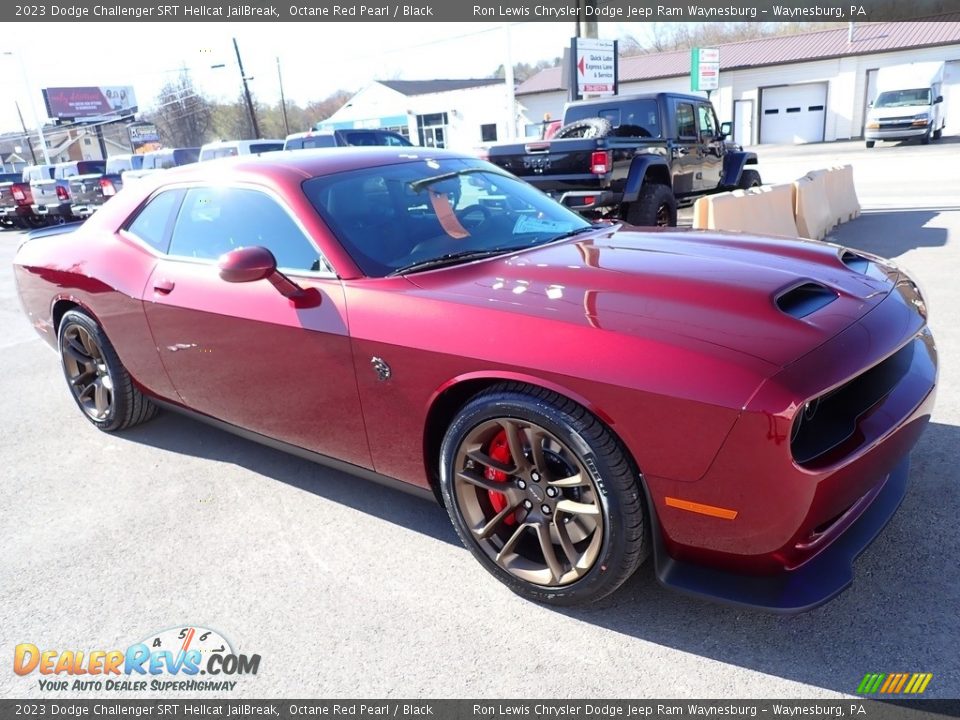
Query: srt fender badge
x,y
383,370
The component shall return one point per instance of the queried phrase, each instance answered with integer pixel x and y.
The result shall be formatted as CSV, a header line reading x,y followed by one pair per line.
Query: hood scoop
x,y
805,299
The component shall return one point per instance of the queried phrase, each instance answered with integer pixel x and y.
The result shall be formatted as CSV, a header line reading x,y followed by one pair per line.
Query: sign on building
x,y
704,69
594,67
71,103
144,137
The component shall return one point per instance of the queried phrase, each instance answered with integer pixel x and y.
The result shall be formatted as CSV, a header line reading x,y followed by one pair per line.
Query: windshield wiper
x,y
453,259
578,231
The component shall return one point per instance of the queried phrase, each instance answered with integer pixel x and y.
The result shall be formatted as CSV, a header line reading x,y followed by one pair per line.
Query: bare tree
x,y
182,116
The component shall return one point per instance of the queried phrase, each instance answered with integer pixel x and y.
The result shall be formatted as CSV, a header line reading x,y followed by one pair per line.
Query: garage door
x,y
951,96
793,114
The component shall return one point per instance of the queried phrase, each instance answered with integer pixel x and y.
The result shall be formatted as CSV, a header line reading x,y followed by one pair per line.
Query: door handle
x,y
163,287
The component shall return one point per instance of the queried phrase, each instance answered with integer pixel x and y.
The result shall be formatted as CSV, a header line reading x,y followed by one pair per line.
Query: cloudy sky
x,y
316,58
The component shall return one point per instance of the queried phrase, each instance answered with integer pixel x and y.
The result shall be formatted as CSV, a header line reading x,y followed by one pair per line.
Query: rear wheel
x,y
100,385
749,179
655,207
543,495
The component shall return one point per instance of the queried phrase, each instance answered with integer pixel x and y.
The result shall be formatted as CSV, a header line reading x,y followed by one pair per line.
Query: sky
x,y
316,58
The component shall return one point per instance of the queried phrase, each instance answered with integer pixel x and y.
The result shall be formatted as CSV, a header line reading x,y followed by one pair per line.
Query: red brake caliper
x,y
499,450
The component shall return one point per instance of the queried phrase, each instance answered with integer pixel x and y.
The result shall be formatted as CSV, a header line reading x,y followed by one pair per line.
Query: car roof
x,y
638,96
305,164
238,143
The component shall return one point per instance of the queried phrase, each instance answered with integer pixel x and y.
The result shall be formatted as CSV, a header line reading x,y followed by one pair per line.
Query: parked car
x,y
163,159
632,157
232,148
52,201
579,396
336,138
909,104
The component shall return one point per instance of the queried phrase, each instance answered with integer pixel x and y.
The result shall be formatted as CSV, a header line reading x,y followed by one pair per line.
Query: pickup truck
x,y
162,160
52,200
16,198
633,157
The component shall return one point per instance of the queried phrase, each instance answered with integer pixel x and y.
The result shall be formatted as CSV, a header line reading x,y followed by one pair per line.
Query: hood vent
x,y
805,299
855,262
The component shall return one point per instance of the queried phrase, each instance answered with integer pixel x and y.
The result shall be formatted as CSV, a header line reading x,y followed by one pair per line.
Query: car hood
x,y
718,288
897,112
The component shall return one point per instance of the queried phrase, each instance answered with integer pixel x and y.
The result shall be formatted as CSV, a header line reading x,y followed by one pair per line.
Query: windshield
x,y
903,98
395,216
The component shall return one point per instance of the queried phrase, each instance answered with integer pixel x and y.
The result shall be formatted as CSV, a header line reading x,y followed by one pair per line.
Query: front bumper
x,y
896,133
812,584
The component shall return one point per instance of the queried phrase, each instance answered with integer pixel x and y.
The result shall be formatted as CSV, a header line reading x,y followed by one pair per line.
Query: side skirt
x,y
325,460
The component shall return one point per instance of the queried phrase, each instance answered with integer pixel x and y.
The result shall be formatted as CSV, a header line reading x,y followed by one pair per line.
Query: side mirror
x,y
250,264
938,100
247,264
726,129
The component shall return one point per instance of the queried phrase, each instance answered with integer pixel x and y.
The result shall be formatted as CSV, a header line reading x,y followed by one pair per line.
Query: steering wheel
x,y
473,216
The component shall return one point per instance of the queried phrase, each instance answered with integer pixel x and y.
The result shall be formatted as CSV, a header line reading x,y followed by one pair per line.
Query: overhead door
x,y
951,96
793,113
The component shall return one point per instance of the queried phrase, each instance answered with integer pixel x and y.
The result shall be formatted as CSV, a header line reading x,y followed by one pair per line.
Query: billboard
x,y
71,103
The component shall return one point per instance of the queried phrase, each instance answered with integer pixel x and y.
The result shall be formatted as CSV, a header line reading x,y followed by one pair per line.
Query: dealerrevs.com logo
x,y
187,659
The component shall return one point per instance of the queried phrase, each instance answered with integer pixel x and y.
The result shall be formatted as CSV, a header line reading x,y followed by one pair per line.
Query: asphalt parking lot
x,y
347,589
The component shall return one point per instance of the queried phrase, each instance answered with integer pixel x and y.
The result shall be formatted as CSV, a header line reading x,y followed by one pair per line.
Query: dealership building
x,y
799,88
433,113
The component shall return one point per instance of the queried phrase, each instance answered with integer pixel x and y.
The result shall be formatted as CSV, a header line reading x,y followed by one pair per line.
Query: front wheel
x,y
870,143
749,179
543,495
100,385
656,206
937,134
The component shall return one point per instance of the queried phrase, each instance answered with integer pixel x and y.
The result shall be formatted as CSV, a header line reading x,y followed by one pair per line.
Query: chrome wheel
x,y
528,501
87,373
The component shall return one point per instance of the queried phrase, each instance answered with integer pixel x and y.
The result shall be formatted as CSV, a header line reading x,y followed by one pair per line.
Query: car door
x,y
242,352
685,150
711,148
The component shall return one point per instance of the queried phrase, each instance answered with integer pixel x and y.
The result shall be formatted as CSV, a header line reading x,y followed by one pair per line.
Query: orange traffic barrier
x,y
812,207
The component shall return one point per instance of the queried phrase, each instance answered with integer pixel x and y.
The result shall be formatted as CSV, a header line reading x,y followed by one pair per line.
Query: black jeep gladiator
x,y
633,157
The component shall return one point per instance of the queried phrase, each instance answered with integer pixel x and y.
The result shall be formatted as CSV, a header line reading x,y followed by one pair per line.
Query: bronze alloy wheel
x,y
529,502
87,373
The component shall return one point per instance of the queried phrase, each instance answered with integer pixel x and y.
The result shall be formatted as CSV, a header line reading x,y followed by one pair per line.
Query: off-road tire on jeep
x,y
749,179
656,206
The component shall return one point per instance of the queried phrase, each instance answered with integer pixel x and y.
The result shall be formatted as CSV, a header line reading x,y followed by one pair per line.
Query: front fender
x,y
733,164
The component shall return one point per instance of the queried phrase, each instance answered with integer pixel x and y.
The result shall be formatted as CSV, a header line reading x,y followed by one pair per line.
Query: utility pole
x,y
246,92
33,155
510,83
587,28
26,89
283,100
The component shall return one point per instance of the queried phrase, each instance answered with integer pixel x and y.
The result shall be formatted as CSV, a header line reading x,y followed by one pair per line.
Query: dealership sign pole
x,y
704,69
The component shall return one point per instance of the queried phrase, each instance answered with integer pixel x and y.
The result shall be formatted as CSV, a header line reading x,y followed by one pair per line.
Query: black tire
x,y
614,485
655,207
127,405
586,128
937,134
871,143
925,140
749,179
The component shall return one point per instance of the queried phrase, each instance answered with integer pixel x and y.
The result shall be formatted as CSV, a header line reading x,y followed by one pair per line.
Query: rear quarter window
x,y
152,223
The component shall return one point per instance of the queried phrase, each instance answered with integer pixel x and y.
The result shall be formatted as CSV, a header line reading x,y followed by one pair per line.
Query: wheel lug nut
x,y
527,504
535,476
521,484
551,491
545,509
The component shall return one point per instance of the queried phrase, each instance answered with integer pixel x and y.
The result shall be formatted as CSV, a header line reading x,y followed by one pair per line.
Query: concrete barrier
x,y
812,207
841,178
766,210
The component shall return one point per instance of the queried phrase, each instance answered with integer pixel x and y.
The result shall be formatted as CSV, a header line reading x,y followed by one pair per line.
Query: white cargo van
x,y
909,104
232,148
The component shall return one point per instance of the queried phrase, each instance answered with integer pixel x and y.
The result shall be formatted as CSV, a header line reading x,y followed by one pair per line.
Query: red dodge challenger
x,y
577,396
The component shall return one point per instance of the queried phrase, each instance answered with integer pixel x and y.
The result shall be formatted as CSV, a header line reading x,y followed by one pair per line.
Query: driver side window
x,y
216,220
